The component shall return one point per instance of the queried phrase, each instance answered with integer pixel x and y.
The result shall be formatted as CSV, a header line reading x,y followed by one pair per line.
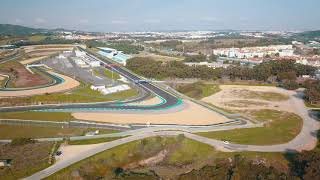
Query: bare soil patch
x,y
238,97
21,77
68,84
192,114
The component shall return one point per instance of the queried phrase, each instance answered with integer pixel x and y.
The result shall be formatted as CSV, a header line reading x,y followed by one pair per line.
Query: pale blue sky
x,y
141,15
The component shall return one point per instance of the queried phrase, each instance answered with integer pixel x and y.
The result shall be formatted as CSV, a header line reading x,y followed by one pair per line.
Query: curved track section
x,y
55,81
168,99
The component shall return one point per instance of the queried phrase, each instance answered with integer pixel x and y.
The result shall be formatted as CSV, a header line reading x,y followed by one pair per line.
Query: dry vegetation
x,y
27,159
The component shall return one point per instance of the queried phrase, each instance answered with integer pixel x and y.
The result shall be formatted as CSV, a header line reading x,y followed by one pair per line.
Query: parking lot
x,y
68,67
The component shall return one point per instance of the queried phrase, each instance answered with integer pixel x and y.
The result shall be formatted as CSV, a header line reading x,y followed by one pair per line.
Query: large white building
x,y
255,52
81,55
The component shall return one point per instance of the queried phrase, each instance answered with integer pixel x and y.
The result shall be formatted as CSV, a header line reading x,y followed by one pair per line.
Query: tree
x,y
290,85
213,58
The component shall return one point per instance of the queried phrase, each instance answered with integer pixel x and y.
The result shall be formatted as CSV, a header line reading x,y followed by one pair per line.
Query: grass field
x,y
267,96
32,131
29,115
27,159
108,73
36,38
162,58
93,141
281,127
181,155
77,96
198,90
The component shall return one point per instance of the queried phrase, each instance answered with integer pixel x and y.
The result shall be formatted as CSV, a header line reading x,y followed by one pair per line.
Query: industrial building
x,y
82,60
104,90
113,54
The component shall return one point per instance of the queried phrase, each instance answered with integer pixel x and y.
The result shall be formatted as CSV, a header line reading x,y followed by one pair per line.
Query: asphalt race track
x,y
168,99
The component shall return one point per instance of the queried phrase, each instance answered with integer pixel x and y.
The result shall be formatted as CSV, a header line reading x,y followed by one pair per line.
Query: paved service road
x,y
306,139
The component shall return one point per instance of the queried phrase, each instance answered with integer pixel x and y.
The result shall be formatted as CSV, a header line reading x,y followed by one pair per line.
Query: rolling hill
x,y
17,30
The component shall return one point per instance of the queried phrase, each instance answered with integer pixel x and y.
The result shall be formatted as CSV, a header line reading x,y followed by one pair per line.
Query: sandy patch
x,y
69,83
70,151
230,98
193,114
31,60
148,102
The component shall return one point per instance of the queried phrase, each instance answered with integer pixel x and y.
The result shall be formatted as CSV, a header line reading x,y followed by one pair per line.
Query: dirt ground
x,y
238,97
31,60
192,114
23,77
69,83
57,47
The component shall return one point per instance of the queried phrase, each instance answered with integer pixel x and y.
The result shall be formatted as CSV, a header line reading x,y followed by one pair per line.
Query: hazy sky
x,y
141,15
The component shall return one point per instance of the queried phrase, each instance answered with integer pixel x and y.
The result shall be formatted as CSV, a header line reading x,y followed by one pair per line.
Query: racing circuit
x,y
169,101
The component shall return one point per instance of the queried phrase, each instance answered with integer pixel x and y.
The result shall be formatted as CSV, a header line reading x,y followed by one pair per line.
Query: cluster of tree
x,y
196,58
315,51
312,92
125,47
306,165
17,30
276,71
285,71
230,42
47,40
174,69
170,44
239,168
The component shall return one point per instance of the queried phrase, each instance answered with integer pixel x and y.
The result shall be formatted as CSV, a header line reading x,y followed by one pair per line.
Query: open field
x,y
29,115
238,98
167,157
160,57
36,38
281,127
79,95
32,60
27,159
193,114
108,73
67,84
40,53
32,131
20,76
197,90
49,47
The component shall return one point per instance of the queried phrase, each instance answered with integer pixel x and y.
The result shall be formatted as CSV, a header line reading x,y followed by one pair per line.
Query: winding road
x,y
305,140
